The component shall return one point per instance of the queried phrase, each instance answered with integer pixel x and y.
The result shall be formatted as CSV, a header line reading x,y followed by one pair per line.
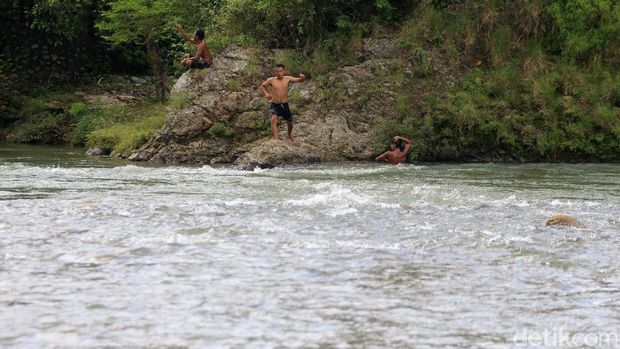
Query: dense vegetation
x,y
538,80
530,80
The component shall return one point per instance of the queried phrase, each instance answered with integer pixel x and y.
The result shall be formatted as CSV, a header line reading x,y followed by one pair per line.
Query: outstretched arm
x,y
263,88
301,78
407,143
382,157
184,33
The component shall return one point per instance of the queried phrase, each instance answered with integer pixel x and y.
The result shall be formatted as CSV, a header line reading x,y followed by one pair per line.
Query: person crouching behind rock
x,y
397,153
203,58
564,220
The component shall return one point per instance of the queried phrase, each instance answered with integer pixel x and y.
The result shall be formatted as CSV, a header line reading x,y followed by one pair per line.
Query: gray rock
x,y
327,127
385,47
268,154
97,152
137,80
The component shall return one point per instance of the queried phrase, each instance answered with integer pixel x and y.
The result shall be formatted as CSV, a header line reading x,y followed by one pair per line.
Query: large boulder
x,y
267,154
218,114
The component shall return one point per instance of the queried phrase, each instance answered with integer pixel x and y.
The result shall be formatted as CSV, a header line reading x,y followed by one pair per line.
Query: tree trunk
x,y
159,71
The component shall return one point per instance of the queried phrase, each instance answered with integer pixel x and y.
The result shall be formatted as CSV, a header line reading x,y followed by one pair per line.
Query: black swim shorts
x,y
200,64
281,109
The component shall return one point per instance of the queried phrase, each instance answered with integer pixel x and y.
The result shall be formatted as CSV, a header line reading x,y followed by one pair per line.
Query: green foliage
x,y
124,139
220,129
234,85
133,20
424,68
545,88
65,19
427,25
294,96
500,42
126,133
534,79
255,66
47,128
78,109
294,23
586,29
178,100
40,117
293,60
495,115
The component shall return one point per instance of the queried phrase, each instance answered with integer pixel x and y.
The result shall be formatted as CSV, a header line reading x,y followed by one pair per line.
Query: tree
x,y
59,33
139,21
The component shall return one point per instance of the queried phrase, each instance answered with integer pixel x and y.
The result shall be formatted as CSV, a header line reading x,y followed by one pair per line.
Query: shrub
x,y
124,139
234,85
220,129
77,110
179,100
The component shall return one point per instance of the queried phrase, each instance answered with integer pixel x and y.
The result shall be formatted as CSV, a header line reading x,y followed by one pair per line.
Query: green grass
x,y
234,85
124,139
221,129
178,100
545,111
38,116
294,96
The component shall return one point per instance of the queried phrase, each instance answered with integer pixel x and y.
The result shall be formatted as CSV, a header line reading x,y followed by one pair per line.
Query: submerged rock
x,y
97,152
564,220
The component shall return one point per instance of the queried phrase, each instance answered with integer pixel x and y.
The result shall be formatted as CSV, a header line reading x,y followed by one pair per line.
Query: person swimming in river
x,y
203,58
397,153
278,102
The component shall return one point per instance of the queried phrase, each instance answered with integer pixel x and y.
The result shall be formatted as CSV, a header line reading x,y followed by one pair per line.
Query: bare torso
x,y
396,157
203,52
279,89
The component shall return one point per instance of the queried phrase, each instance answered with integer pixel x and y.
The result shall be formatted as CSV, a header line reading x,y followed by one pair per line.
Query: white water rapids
x,y
98,254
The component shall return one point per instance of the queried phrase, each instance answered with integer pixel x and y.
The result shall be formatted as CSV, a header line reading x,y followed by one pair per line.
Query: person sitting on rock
x,y
278,102
398,153
203,57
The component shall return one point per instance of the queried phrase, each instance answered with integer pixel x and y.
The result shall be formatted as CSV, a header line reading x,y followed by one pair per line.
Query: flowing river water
x,y
97,253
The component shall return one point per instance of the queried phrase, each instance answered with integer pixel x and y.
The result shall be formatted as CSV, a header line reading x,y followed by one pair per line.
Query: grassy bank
x,y
115,116
489,81
470,80
531,83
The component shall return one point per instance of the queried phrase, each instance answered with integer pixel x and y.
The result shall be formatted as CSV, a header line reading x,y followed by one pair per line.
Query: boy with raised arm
x,y
395,155
203,58
278,99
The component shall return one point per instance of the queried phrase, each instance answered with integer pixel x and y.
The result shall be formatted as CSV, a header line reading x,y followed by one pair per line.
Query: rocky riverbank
x,y
225,119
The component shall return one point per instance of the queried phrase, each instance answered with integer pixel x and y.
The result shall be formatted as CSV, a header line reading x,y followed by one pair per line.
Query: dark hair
x,y
280,65
200,34
397,144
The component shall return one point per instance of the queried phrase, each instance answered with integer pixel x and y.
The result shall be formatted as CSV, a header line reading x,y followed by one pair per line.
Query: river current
x,y
97,253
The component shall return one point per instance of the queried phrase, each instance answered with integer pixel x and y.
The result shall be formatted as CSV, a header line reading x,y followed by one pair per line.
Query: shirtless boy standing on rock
x,y
279,99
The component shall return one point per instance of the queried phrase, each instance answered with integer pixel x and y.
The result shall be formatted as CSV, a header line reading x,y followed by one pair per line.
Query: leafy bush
x,y
77,110
123,139
234,85
179,100
220,129
44,129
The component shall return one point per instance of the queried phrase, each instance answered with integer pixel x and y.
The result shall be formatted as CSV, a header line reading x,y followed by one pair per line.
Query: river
x,y
99,253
